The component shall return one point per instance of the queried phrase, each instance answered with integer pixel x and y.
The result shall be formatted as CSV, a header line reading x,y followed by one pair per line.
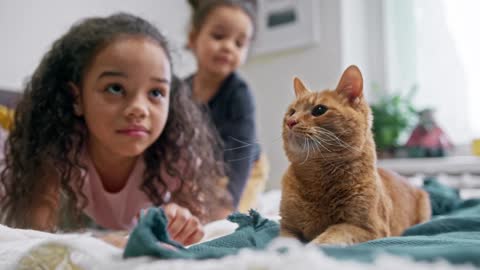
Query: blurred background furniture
x,y
462,172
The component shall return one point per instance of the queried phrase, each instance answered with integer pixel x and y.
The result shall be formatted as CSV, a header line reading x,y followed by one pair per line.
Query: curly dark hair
x,y
44,146
203,8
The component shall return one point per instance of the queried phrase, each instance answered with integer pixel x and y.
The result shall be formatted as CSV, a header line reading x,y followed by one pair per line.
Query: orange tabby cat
x,y
332,192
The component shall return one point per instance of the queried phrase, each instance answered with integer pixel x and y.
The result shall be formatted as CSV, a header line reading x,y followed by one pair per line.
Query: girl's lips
x,y
222,60
134,132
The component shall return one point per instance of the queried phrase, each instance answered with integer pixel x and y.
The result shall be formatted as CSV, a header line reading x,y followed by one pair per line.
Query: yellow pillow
x,y
6,117
255,184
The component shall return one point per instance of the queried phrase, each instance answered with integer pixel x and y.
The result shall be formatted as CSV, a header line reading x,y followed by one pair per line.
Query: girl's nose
x,y
137,109
228,45
291,122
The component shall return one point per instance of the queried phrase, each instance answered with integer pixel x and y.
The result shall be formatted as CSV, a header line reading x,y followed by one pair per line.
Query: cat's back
x,y
410,204
398,186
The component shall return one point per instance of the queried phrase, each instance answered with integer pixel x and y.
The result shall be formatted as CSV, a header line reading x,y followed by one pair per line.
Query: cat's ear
x,y
299,87
351,83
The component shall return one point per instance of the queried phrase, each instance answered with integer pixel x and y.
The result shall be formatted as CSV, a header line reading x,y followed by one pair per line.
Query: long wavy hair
x,y
44,146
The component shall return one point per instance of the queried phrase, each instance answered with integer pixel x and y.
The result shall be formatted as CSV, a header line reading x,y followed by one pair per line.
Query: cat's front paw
x,y
317,243
287,234
333,238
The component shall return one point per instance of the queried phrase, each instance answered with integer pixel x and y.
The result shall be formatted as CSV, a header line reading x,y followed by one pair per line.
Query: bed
x,y
249,241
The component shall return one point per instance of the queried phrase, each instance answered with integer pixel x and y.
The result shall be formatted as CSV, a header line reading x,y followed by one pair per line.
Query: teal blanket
x,y
453,234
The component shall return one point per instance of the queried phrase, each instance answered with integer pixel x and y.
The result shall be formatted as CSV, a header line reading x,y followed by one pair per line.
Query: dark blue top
x,y
232,111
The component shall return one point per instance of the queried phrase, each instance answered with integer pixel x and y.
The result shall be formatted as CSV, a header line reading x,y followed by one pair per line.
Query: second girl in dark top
x,y
220,37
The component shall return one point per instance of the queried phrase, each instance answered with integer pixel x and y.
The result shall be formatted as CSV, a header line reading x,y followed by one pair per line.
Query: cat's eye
x,y
319,110
291,112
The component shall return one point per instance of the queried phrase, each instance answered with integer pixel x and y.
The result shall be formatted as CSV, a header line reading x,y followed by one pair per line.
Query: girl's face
x,y
124,97
221,44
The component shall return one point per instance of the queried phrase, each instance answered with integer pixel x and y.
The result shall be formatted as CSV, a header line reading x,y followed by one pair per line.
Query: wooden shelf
x,y
454,165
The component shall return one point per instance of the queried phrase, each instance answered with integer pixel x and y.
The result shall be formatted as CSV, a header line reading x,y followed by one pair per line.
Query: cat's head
x,y
329,123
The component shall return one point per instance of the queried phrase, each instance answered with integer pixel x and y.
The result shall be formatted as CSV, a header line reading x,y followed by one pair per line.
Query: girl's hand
x,y
115,238
183,227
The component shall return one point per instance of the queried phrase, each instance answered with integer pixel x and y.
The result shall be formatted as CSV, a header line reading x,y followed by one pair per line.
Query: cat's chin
x,y
293,136
295,149
295,142
301,148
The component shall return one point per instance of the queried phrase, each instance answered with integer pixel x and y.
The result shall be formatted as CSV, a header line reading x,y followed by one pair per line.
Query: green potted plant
x,y
393,115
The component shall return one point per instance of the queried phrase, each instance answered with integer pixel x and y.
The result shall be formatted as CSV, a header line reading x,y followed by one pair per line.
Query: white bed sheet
x,y
86,252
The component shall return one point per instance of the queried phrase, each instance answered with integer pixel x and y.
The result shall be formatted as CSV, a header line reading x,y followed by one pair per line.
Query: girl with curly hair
x,y
104,129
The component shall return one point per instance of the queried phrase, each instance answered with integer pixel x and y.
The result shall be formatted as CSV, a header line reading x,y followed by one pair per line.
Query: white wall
x,y
354,31
350,33
28,28
271,77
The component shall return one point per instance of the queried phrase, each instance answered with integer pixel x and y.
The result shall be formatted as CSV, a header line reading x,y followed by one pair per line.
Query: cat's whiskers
x,y
242,158
314,142
327,141
247,144
336,138
320,140
331,137
313,135
308,149
306,141
306,134
318,144
239,147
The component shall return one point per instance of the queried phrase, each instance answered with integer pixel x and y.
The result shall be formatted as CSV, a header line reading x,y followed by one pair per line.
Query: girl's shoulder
x,y
235,98
237,90
235,82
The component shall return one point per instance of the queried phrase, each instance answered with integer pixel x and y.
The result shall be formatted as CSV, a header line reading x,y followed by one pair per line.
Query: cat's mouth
x,y
295,134
316,140
299,140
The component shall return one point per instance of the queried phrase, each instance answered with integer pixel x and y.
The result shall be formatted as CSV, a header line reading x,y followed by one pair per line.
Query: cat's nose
x,y
291,123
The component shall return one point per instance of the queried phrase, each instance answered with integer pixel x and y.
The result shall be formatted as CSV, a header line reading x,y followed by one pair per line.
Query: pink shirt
x,y
118,211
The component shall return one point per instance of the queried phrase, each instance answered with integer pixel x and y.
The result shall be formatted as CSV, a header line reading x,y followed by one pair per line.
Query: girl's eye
x,y
239,44
319,110
115,89
218,36
156,93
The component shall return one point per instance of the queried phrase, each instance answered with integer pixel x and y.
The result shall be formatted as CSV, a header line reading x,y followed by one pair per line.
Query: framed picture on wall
x,y
286,24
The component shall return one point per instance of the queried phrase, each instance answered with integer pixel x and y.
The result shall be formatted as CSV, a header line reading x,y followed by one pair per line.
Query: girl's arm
x,y
45,201
45,205
44,214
